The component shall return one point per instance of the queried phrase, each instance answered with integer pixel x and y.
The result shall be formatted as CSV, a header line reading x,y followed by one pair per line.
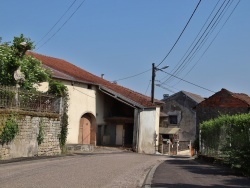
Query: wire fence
x,y
14,98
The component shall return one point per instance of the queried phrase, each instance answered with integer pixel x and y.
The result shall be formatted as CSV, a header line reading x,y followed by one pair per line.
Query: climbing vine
x,y
64,122
9,130
40,136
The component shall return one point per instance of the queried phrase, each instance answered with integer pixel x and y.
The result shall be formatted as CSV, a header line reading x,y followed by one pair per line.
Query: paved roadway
x,y
187,173
119,169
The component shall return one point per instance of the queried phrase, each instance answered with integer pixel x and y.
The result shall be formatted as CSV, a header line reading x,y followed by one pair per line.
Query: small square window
x,y
173,119
89,86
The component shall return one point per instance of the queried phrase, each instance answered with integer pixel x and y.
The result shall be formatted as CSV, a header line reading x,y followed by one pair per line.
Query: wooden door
x,y
84,130
119,135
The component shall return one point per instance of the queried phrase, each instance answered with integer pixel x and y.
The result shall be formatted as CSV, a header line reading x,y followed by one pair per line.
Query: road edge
x,y
148,180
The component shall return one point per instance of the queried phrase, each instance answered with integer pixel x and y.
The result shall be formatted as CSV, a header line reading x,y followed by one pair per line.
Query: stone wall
x,y
181,106
25,143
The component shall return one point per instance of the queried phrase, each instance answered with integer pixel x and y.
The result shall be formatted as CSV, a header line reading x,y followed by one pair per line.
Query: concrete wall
x,y
25,143
148,127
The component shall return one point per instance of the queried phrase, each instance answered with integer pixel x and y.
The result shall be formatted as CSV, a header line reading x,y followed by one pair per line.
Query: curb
x,y
148,180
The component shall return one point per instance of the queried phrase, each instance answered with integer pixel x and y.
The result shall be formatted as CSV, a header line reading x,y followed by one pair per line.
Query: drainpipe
x,y
138,129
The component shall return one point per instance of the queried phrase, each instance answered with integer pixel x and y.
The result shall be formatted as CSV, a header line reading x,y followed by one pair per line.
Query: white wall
x,y
81,100
100,107
149,125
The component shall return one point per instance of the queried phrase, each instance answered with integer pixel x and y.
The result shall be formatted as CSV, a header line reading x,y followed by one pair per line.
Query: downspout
x,y
138,129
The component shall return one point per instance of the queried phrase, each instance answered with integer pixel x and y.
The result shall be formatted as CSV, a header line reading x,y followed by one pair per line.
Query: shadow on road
x,y
187,173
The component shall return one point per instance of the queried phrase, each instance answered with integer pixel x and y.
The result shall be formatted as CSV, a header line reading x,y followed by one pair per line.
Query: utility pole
x,y
153,83
154,69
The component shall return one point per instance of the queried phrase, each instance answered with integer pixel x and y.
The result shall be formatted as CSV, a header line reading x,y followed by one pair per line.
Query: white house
x,y
105,113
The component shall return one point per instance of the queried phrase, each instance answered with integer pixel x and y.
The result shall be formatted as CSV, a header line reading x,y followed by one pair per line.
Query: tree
x,y
12,57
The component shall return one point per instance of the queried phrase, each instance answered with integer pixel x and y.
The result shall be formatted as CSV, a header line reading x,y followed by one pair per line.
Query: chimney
x,y
165,96
102,75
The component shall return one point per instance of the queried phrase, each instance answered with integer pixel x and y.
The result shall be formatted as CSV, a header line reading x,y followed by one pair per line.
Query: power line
x,y
194,39
193,53
203,38
133,75
212,40
56,22
62,25
180,35
194,49
148,87
188,81
170,49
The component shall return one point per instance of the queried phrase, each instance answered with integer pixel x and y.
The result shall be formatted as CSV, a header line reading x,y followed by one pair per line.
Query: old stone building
x,y
222,102
181,120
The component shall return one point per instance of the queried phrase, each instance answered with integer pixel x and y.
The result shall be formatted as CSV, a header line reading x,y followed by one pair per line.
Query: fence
x,y
14,98
173,148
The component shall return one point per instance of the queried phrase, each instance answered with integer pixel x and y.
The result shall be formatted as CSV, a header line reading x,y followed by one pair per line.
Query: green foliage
x,y
228,137
57,88
13,56
40,136
9,131
64,122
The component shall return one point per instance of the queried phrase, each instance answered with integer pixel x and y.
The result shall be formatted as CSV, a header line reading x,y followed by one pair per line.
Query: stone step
x,y
79,147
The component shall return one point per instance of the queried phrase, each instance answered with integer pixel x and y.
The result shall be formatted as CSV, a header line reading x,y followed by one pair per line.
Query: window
x,y
173,119
89,86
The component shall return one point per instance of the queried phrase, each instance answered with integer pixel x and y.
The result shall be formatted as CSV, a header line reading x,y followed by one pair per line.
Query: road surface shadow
x,y
170,169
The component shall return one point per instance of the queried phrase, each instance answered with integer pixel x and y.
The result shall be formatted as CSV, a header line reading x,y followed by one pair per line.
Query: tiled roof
x,y
242,96
195,97
65,70
239,96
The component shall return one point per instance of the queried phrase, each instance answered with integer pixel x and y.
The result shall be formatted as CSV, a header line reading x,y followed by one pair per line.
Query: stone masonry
x,y
25,143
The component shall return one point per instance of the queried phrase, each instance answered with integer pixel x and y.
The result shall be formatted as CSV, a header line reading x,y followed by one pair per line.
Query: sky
x,y
122,38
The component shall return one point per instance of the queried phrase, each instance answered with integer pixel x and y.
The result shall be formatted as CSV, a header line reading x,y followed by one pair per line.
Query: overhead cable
x,y
188,82
201,39
180,34
56,22
62,25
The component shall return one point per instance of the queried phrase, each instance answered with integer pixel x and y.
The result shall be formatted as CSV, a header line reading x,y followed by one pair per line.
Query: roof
x,y
64,70
240,96
163,130
196,98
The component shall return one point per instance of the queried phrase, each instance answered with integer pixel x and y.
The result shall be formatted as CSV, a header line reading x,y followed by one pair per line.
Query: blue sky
x,y
121,38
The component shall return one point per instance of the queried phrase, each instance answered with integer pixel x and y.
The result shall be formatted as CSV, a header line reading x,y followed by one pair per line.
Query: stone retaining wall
x,y
25,143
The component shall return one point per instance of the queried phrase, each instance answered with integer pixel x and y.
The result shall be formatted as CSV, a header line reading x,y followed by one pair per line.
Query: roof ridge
x,y
81,74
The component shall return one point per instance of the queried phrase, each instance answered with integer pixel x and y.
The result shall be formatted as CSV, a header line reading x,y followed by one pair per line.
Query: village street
x,y
116,169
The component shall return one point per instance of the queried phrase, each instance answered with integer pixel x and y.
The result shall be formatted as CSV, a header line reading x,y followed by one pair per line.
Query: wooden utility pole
x,y
153,83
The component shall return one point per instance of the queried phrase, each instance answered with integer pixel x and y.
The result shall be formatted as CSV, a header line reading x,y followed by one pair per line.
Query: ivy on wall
x,y
40,136
9,130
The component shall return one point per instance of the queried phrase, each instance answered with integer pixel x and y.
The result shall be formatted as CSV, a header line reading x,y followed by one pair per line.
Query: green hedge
x,y
228,137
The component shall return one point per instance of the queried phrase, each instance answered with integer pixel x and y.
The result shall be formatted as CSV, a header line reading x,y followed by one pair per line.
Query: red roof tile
x,y
65,70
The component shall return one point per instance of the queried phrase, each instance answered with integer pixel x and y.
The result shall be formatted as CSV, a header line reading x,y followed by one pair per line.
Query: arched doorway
x,y
87,129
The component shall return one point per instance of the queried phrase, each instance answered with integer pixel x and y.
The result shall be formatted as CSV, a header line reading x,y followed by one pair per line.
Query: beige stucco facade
x,y
149,127
88,99
82,101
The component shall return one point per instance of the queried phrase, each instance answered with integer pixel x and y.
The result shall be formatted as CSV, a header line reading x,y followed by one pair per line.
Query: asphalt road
x,y
120,169
187,173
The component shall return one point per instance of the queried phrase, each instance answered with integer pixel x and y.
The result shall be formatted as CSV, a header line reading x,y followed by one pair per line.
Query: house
x,y
180,123
222,102
104,113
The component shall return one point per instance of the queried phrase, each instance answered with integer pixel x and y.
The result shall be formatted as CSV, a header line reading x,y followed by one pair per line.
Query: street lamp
x,y
154,69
